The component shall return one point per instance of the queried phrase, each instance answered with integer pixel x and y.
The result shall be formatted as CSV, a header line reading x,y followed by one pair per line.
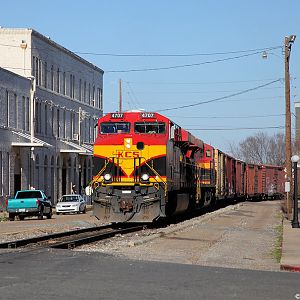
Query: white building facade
x,y
50,101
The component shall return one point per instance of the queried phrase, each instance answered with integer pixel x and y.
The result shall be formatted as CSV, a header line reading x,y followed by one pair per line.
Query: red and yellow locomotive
x,y
146,167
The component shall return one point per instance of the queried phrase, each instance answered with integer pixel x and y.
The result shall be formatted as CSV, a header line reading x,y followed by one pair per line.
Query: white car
x,y
71,203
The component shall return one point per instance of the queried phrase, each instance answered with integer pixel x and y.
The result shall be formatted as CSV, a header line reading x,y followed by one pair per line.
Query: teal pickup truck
x,y
29,203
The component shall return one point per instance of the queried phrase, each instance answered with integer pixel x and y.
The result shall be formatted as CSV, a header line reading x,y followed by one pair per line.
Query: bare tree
x,y
261,149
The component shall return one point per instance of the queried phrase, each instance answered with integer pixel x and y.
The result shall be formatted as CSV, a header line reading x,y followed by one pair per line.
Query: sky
x,y
200,63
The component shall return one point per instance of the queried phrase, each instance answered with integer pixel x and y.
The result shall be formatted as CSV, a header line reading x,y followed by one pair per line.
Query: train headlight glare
x,y
145,177
107,176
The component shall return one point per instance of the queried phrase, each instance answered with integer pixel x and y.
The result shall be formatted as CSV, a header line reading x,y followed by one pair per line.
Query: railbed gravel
x,y
237,236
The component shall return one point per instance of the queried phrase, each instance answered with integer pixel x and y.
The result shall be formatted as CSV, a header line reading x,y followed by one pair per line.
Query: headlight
x,y
145,177
107,177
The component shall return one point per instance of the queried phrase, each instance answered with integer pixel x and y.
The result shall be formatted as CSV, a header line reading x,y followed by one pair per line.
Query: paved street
x,y
78,275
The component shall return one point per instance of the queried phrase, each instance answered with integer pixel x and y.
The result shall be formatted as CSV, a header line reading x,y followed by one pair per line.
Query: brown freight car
x,y
272,182
240,174
230,176
253,189
264,182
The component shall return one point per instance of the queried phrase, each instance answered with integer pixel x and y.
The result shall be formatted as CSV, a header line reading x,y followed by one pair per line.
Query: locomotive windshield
x,y
115,127
150,127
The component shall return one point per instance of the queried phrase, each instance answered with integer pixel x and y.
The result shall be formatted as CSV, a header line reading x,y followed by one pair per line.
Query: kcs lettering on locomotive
x,y
128,154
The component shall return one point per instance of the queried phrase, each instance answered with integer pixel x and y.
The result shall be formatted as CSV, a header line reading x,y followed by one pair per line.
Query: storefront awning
x,y
71,147
24,140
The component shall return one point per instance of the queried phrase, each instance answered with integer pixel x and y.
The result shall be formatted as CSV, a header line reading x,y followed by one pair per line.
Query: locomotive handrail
x,y
95,179
99,173
157,174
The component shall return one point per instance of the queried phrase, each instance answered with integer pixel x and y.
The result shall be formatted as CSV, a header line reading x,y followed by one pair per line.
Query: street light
x,y
295,222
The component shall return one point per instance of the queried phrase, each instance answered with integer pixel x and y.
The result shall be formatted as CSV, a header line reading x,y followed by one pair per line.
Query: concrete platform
x,y
290,259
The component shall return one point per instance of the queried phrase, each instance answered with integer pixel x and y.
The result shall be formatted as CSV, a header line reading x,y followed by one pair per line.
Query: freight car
x,y
264,182
147,167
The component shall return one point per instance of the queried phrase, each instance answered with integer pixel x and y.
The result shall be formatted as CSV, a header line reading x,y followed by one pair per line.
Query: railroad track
x,y
70,239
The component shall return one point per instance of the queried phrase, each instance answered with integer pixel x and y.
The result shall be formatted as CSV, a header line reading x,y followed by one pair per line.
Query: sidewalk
x,y
290,259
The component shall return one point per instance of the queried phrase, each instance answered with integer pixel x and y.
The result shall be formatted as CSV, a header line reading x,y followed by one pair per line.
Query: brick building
x,y
50,99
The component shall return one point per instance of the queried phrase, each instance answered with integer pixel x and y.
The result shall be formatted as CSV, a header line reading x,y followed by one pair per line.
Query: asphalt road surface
x,y
61,274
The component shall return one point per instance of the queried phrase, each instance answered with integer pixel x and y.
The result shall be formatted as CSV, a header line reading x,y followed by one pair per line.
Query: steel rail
x,y
24,242
96,237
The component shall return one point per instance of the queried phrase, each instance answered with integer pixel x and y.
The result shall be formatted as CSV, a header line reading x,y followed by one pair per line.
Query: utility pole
x,y
288,41
120,93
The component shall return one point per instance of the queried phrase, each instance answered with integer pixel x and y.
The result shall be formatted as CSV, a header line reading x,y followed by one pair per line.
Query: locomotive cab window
x,y
208,154
115,127
150,127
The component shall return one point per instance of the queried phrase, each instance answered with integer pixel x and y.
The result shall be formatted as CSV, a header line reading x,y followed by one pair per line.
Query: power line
x,y
204,82
237,128
229,117
221,98
183,66
155,55
178,55
200,92
137,102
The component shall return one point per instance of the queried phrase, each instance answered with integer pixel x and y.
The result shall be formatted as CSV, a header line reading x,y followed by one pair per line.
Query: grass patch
x,y
277,250
3,217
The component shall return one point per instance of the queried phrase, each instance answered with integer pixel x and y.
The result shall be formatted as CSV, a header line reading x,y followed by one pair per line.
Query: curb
x,y
290,268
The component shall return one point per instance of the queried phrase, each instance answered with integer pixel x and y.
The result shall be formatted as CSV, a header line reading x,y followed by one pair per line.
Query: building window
x,y
27,114
37,113
90,130
64,83
84,92
64,124
45,75
33,67
93,97
80,96
72,126
101,99
85,130
73,86
58,81
71,82
89,96
46,119
95,130
7,109
24,113
37,69
58,123
52,121
40,72
40,118
16,111
52,78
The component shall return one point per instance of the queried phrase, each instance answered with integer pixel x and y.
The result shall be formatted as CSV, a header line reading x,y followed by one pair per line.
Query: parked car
x,y
71,203
29,203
